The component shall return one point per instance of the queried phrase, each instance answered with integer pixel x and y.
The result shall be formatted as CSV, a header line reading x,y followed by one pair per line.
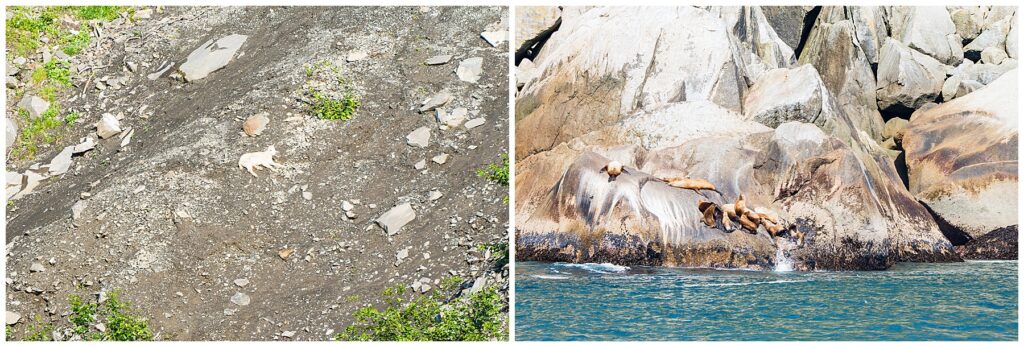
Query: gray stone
x,y
469,70
993,55
13,318
950,86
894,128
12,133
420,165
401,255
288,333
35,105
36,267
438,59
394,219
419,137
435,101
62,162
478,284
88,143
453,118
107,126
907,77
240,299
346,206
434,195
211,56
475,122
783,95
967,22
241,282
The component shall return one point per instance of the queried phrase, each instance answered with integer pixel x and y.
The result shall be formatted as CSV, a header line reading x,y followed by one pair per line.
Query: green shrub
x,y
437,317
121,325
494,172
499,251
328,108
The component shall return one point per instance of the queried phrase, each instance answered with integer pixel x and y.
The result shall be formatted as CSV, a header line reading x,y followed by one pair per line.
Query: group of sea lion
x,y
749,218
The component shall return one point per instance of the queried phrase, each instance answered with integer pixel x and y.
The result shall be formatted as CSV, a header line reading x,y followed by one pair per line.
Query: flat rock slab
x,y
494,38
394,219
475,122
419,137
107,126
438,59
469,70
211,56
13,318
435,101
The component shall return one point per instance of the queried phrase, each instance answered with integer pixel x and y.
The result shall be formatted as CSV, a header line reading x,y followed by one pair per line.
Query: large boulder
x,y
840,57
929,30
592,72
907,79
962,159
783,95
869,25
758,47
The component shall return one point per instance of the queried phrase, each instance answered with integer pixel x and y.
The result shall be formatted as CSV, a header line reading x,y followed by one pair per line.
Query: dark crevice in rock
x,y
896,111
974,56
901,166
809,20
531,48
955,235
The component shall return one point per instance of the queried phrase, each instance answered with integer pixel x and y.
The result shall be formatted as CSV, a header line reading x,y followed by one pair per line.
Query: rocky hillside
x,y
365,128
871,135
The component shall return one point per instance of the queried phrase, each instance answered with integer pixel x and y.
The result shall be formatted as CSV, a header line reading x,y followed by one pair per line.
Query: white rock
x,y
435,101
289,334
434,195
87,144
469,70
62,162
394,219
255,124
419,137
77,209
475,122
12,133
240,299
438,59
454,118
907,77
241,282
441,158
36,267
13,318
107,126
494,38
420,165
211,56
993,55
346,206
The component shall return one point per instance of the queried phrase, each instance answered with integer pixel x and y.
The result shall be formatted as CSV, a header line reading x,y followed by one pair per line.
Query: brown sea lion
x,y
752,216
694,184
773,228
748,224
614,168
709,215
765,213
740,205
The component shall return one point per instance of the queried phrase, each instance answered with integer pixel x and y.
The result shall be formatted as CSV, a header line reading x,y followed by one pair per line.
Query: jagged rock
x,y
845,69
533,23
254,125
962,158
34,105
77,209
241,282
440,159
13,318
107,126
1011,38
967,22
993,36
929,30
967,87
983,73
14,183
599,73
469,70
783,95
419,137
787,21
211,56
950,87
36,267
907,78
394,219
524,72
993,55
452,119
438,59
61,163
435,101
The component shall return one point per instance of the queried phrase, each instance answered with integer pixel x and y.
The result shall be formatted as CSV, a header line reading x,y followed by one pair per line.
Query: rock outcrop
x,y
962,158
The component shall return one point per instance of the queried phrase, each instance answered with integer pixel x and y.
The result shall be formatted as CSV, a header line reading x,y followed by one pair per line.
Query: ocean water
x,y
975,300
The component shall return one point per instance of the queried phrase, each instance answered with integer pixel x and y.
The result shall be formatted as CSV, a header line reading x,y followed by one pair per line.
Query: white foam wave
x,y
602,268
738,284
551,277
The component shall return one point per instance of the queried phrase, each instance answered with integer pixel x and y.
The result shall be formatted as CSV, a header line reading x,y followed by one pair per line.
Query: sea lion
x,y
773,228
614,168
703,205
748,224
728,212
740,205
709,215
694,184
765,213
798,234
752,216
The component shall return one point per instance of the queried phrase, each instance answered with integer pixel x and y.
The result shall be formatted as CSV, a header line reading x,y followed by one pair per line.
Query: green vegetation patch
x,y
440,316
116,315
497,173
329,94
499,250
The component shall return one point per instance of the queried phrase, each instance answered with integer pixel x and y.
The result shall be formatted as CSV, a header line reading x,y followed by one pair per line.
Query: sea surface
x,y
974,300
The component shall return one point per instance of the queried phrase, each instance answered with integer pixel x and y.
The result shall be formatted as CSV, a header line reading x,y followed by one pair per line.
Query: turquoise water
x,y
961,301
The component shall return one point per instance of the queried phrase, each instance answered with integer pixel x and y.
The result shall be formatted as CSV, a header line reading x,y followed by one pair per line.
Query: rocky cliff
x,y
845,123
